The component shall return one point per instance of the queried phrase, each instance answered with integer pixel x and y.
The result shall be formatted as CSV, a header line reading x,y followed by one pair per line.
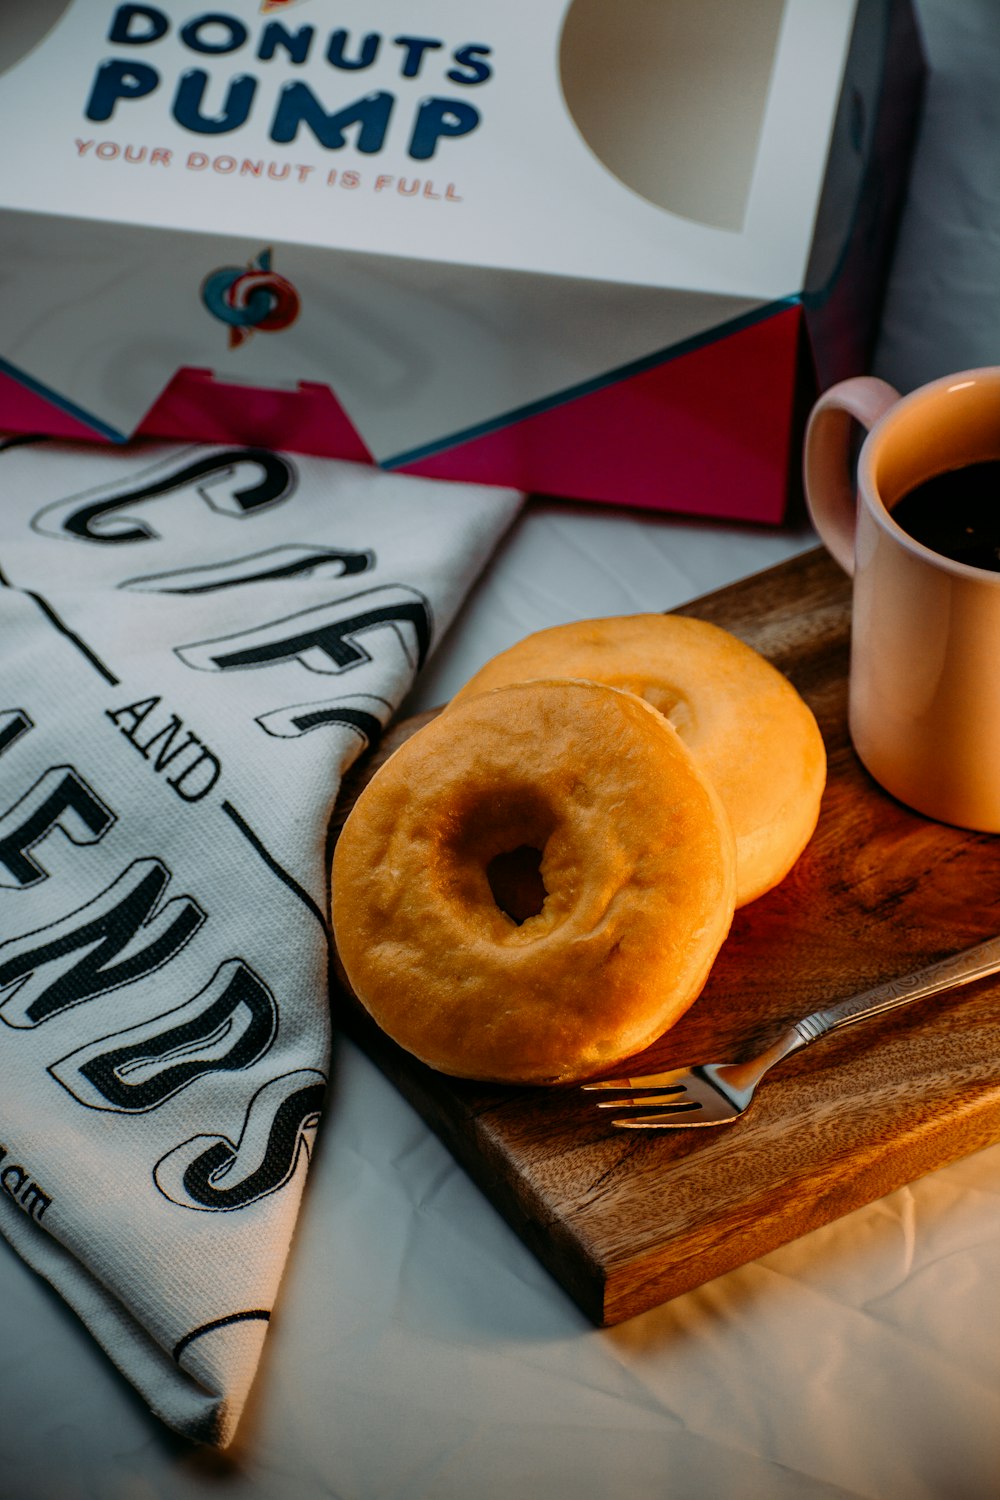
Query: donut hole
x,y
515,880
671,704
495,850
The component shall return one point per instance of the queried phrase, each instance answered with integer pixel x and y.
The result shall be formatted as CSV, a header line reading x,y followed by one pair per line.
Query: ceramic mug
x,y
924,697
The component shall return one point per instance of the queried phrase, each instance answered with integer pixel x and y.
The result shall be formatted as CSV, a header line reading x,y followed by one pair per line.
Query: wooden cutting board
x,y
626,1220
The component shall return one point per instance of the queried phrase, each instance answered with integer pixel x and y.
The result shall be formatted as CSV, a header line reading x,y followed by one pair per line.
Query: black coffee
x,y
957,514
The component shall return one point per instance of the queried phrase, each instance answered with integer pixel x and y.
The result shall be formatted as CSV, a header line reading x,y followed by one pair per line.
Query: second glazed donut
x,y
745,724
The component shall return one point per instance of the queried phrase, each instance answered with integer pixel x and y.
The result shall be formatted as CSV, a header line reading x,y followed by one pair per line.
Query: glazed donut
x,y
637,867
747,727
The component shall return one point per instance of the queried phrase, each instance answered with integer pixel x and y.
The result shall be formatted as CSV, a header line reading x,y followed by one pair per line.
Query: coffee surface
x,y
957,514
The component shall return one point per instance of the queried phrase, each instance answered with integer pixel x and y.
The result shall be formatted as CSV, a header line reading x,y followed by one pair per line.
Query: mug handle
x,y
826,459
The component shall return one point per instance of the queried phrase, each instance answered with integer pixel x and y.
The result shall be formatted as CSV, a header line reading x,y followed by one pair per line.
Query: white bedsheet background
x,y
418,1350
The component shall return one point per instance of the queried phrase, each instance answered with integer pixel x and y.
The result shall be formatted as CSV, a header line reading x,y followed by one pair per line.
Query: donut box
x,y
595,251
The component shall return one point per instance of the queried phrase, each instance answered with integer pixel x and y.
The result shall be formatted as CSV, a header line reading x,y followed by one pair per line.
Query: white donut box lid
x,y
634,179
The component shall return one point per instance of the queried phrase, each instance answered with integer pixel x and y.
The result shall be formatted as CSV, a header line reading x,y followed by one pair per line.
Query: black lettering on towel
x,y
39,965
60,798
211,1173
16,1182
363,714
163,747
14,722
278,564
327,639
256,478
227,1026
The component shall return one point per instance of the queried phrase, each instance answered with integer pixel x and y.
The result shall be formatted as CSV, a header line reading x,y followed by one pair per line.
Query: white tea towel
x,y
194,645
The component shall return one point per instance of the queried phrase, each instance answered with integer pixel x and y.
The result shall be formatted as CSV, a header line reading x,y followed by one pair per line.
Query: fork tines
x,y
631,1101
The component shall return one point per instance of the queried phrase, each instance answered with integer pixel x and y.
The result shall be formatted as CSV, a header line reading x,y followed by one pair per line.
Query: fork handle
x,y
961,968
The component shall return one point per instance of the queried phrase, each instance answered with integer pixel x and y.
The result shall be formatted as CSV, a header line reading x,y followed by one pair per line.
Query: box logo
x,y
250,299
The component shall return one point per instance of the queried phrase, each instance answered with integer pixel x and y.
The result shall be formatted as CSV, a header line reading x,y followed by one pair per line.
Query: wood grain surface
x,y
626,1220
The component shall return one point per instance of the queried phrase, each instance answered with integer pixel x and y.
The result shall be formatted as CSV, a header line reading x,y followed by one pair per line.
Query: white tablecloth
x,y
418,1349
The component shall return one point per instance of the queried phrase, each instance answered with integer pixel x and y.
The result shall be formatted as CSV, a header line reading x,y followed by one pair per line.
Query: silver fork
x,y
715,1093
